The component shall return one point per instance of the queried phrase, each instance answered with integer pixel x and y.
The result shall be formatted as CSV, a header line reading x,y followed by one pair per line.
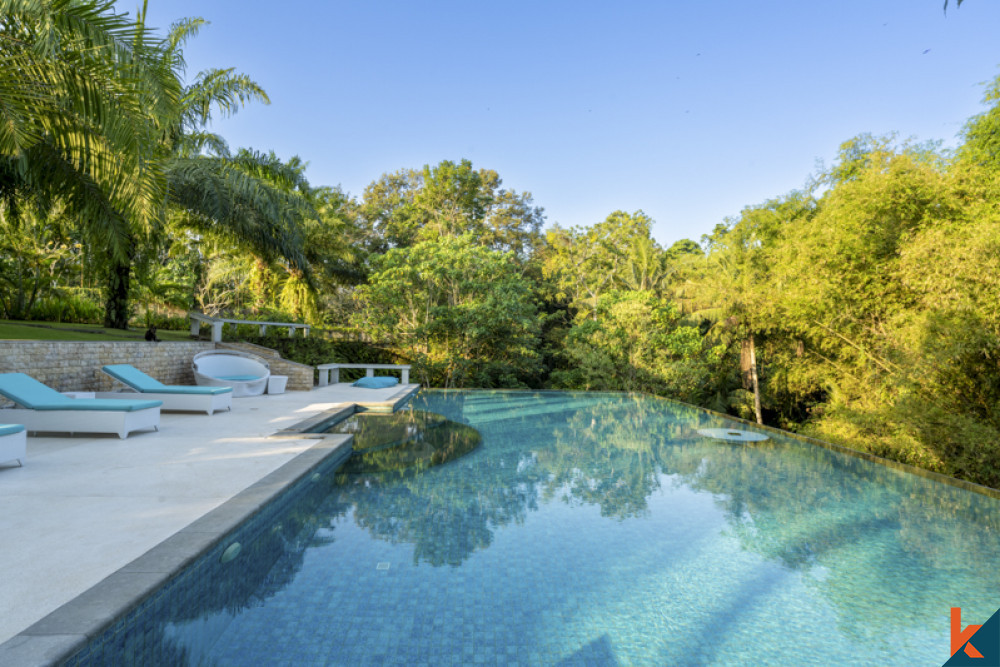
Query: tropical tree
x,y
638,341
35,252
981,145
461,312
616,253
86,96
252,201
735,289
450,199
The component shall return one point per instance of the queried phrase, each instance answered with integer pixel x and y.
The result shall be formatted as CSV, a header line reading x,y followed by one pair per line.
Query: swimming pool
x,y
587,529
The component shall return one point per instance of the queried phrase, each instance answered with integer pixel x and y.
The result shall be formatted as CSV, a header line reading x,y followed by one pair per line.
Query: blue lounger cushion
x,y
380,382
133,377
32,394
10,429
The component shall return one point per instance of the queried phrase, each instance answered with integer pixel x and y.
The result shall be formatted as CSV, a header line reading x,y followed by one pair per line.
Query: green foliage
x,y
617,253
450,199
67,308
982,132
460,312
862,310
636,342
35,252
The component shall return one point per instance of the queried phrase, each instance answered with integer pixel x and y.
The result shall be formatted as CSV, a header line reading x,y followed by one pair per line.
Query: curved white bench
x,y
245,373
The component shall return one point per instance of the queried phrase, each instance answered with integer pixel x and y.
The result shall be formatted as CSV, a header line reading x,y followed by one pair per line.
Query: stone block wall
x,y
75,365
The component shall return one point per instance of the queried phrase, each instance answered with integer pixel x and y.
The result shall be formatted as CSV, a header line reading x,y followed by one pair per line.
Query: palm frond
x,y
225,200
224,89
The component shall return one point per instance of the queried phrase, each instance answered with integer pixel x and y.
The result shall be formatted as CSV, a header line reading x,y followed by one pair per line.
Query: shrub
x,y
67,308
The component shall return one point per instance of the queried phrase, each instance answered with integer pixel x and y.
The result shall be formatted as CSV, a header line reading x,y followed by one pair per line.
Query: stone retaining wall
x,y
75,365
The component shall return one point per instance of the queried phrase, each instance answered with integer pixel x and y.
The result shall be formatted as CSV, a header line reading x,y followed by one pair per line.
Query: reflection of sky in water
x,y
602,529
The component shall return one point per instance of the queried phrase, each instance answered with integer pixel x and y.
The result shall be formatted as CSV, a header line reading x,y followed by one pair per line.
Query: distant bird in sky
x,y
926,51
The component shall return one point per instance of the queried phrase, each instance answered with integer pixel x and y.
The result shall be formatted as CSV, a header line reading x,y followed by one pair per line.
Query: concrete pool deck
x,y
82,508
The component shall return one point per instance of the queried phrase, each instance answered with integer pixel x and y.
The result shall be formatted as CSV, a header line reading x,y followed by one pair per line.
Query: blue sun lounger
x,y
13,443
45,409
177,398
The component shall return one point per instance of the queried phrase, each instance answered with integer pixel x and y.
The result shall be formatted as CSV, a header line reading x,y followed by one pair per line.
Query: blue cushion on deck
x,y
380,382
10,429
133,377
32,394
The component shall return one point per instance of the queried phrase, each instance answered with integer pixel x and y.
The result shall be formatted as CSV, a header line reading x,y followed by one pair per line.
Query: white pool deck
x,y
83,507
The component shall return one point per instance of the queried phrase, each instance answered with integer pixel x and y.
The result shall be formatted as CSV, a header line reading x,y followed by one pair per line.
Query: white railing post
x,y
406,376
217,332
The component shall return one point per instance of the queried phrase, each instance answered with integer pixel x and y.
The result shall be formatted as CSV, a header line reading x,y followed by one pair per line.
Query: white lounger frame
x,y
14,447
83,421
207,403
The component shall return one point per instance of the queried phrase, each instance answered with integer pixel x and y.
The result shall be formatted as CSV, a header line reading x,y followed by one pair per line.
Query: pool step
x,y
527,402
526,411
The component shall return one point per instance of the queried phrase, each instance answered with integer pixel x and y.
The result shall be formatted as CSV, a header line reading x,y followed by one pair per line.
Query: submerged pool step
x,y
528,402
486,416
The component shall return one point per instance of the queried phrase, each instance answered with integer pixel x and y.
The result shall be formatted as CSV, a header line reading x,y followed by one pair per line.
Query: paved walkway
x,y
83,507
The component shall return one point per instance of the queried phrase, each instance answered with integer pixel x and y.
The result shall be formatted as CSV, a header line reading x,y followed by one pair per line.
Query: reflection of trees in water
x,y
273,547
408,440
603,453
445,519
852,526
873,542
864,536
607,454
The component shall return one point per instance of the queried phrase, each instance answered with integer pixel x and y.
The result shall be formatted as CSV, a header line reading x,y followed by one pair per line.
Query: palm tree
x,y
85,98
93,112
250,199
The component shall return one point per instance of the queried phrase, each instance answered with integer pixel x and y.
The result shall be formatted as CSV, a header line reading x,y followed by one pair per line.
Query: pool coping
x,y
63,632
314,427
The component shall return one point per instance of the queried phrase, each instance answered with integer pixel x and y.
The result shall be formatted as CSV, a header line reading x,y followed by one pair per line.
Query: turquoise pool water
x,y
596,529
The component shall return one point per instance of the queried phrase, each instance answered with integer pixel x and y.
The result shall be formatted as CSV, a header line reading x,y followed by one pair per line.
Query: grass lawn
x,y
15,330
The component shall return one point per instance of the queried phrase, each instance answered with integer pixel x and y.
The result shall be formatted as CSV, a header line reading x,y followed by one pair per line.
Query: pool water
x,y
597,529
404,441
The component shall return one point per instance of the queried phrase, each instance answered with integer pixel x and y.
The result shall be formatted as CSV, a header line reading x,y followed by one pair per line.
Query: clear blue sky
x,y
687,110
